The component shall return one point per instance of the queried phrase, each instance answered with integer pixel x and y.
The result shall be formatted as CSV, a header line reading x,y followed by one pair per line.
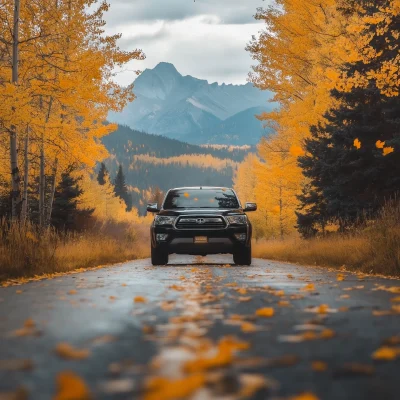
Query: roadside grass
x,y
375,249
26,251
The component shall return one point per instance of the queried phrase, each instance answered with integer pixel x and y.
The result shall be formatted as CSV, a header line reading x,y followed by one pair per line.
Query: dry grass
x,y
26,251
375,249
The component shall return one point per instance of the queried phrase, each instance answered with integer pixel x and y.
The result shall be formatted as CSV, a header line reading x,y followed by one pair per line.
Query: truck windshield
x,y
201,198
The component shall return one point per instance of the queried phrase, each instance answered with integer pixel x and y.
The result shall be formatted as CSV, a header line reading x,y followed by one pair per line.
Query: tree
x,y
66,214
121,189
66,85
103,174
353,160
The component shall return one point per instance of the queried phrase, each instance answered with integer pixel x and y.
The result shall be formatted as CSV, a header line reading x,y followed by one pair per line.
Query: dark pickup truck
x,y
201,221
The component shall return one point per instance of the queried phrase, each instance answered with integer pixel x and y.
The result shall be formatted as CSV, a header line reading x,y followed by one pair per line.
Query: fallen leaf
x,y
340,277
266,312
386,353
68,352
140,299
177,288
242,291
158,388
29,329
244,299
71,387
308,288
248,327
72,292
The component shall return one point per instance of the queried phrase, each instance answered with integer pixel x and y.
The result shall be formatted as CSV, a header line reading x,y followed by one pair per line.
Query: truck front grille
x,y
200,223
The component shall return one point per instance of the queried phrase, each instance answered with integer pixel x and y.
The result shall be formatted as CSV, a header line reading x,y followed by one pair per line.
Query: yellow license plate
x,y
201,239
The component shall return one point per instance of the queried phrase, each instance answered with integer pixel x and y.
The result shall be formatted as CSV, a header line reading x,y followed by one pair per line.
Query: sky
x,y
202,38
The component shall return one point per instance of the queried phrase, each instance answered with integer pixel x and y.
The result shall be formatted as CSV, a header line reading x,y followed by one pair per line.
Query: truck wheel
x,y
242,256
159,257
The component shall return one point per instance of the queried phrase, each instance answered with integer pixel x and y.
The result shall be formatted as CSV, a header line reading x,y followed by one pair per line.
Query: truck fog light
x,y
161,237
240,236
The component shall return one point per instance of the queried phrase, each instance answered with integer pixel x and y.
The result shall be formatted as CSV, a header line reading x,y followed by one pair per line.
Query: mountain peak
x,y
166,68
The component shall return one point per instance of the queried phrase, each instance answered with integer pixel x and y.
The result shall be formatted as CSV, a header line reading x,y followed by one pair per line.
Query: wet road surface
x,y
201,328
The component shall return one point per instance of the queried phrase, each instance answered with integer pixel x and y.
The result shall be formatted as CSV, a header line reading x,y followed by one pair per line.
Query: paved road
x,y
198,327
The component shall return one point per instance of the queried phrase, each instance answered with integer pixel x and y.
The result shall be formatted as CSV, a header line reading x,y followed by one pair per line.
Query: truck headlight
x,y
164,220
237,219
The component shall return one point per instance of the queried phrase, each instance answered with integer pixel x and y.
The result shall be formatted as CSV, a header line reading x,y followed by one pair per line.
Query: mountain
x,y
194,111
153,161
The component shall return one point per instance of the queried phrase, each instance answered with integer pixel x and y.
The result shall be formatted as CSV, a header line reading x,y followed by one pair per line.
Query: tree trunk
x,y
24,210
53,190
15,177
42,184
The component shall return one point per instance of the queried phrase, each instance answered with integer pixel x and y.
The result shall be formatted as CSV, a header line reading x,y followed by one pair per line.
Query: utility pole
x,y
15,177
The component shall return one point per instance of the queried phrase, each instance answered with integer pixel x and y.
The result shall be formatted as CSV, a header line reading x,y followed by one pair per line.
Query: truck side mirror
x,y
152,208
250,207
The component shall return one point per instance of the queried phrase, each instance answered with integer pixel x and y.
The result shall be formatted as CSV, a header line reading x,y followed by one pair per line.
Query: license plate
x,y
200,239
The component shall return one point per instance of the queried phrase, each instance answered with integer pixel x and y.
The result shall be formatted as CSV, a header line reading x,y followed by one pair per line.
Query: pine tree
x,y
66,215
346,160
121,189
101,176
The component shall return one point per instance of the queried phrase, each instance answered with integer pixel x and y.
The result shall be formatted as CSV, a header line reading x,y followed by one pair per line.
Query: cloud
x,y
205,39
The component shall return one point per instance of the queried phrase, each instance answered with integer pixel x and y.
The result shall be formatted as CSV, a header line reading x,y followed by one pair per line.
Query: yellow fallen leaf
x,y
177,288
244,298
242,291
68,352
139,299
345,296
224,356
340,277
323,309
266,312
18,291
71,387
309,287
386,353
248,327
72,292
158,388
283,303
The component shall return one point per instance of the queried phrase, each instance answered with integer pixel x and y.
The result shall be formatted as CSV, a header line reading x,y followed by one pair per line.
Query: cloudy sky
x,y
202,38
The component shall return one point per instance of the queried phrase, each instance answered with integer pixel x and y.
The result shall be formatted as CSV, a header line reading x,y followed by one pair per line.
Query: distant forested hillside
x,y
153,164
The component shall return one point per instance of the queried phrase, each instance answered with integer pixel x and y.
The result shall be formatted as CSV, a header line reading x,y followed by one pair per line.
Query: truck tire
x,y
242,256
159,257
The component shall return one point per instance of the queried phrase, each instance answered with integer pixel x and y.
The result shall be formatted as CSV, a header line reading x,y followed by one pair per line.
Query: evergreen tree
x,y
353,161
121,189
65,214
103,173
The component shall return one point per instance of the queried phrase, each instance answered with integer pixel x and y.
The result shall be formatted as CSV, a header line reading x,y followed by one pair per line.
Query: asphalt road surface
x,y
201,328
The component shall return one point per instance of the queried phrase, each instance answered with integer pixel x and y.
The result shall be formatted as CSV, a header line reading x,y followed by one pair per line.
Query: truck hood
x,y
201,211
